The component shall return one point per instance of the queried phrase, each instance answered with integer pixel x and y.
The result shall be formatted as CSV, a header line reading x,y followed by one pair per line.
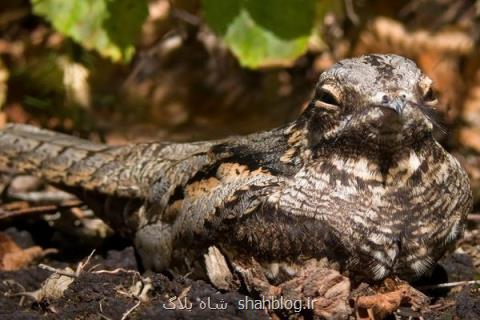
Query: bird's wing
x,y
127,171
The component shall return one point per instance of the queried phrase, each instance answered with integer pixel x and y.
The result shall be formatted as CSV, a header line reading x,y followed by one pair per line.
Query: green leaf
x,y
108,26
262,32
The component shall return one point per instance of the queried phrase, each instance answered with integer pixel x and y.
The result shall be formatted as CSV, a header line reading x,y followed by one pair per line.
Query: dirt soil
x,y
126,291
108,296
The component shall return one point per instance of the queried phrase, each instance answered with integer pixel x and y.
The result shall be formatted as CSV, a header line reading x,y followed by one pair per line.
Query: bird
x,y
358,178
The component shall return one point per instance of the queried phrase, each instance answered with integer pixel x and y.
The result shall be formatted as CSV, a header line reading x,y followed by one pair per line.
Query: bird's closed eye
x,y
325,98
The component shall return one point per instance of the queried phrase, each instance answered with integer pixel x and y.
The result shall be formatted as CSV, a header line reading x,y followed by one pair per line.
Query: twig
x,y
52,197
474,217
15,205
22,289
82,265
49,251
116,271
449,284
102,316
58,271
442,306
184,15
184,292
125,315
22,296
93,267
47,209
12,16
350,11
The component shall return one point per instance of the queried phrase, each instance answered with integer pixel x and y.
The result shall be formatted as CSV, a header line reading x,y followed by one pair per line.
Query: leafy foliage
x,y
259,33
108,26
262,33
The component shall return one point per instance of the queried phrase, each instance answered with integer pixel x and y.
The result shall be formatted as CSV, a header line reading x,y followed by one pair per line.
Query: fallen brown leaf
x,y
315,286
12,257
378,306
326,288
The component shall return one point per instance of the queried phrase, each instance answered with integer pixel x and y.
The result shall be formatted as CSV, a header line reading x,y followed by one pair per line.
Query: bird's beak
x,y
397,105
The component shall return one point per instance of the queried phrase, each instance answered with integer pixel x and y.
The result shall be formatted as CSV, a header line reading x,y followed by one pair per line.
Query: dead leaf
x,y
54,286
12,257
218,271
327,288
320,289
378,306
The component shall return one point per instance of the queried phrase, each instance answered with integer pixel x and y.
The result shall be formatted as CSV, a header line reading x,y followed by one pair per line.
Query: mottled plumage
x,y
358,178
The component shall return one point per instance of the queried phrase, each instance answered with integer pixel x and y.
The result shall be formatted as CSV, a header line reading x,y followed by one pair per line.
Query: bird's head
x,y
376,100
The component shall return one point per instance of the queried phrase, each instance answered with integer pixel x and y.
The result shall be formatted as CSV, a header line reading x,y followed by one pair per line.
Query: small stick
x,y
439,307
82,264
185,16
47,209
57,197
55,270
351,14
449,285
116,271
474,217
125,315
75,274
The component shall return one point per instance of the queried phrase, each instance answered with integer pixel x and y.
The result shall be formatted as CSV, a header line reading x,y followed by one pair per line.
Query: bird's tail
x,y
66,161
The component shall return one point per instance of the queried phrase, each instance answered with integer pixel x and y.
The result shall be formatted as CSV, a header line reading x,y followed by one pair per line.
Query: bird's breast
x,y
399,221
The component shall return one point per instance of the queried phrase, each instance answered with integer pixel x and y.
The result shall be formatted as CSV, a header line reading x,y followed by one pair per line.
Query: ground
x,y
111,284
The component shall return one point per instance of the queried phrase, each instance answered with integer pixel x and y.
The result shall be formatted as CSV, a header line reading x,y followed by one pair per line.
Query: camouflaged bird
x,y
357,178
